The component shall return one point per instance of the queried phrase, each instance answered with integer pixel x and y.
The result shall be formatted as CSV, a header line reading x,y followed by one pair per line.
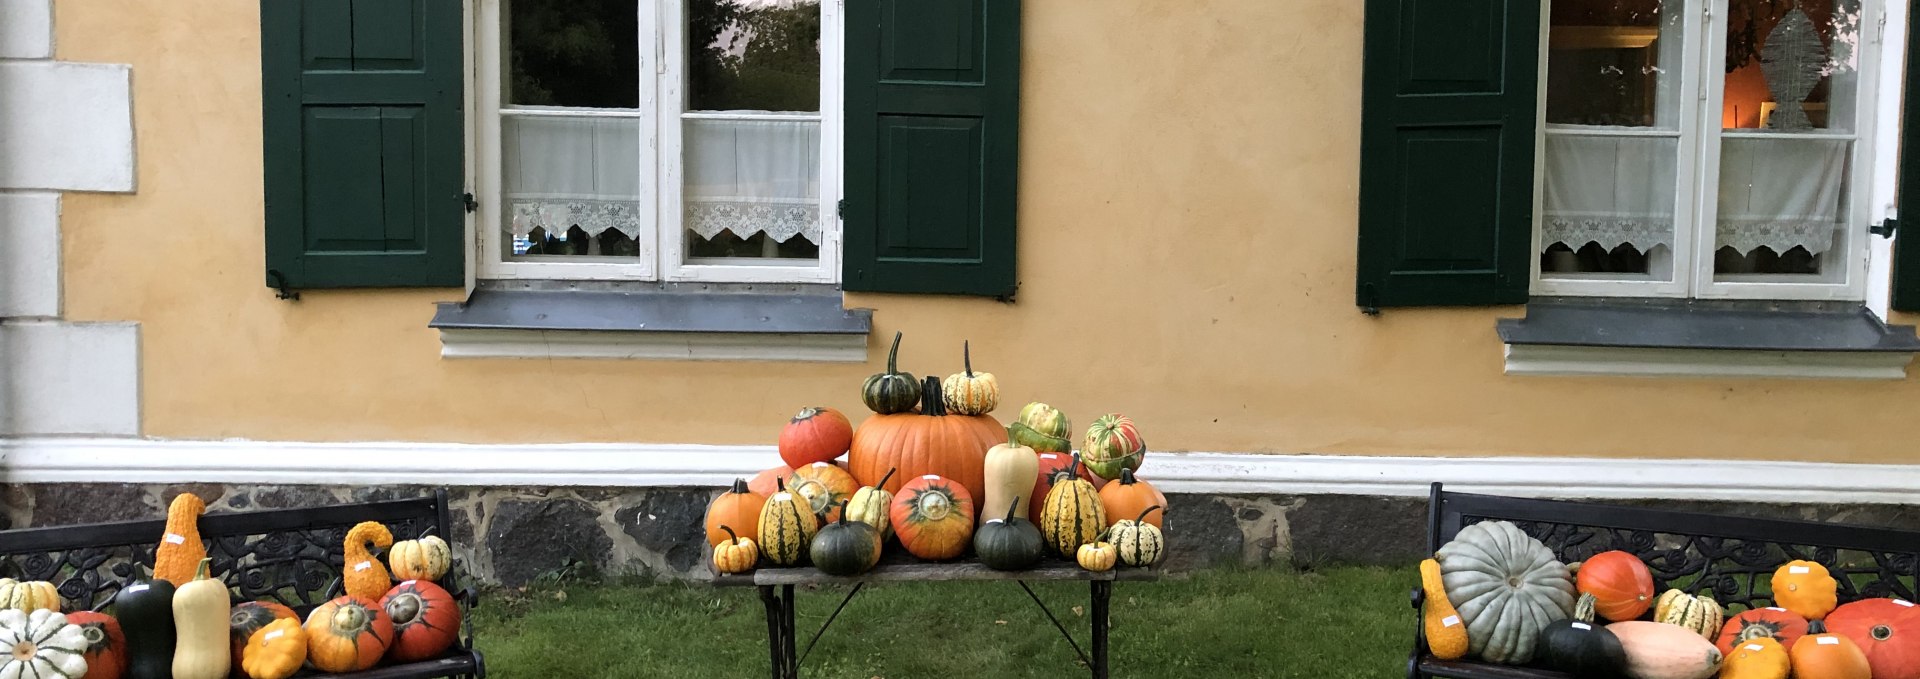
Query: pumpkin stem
x,y
1073,470
740,486
732,537
1143,514
883,480
200,572
1016,505
843,511
1816,627
780,484
966,358
894,354
930,401
1126,477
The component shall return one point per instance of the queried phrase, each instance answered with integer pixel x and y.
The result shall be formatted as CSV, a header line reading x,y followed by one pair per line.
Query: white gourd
x,y
1507,587
40,644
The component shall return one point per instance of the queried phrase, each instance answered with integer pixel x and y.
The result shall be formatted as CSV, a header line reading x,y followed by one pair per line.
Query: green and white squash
x,y
41,644
1507,587
1073,515
1112,444
787,525
1140,543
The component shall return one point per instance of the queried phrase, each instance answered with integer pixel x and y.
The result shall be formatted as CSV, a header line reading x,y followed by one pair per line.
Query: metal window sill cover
x,y
653,324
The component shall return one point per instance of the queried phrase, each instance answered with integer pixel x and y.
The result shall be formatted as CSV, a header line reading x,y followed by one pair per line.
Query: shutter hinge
x,y
279,282
1885,228
841,209
1369,299
471,204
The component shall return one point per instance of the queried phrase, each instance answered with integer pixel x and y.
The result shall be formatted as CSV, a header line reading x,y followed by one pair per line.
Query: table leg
x,y
1102,592
775,656
792,641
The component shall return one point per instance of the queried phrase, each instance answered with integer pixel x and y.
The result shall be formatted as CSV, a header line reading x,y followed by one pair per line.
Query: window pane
x,y
1613,62
582,53
1792,65
1609,206
753,188
753,55
573,186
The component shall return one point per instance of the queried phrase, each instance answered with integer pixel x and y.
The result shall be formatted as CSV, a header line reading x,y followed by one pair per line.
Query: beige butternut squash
x,y
200,622
1010,470
1658,650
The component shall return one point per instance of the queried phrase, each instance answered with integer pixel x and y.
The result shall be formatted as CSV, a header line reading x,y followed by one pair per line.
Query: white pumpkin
x,y
41,644
1507,587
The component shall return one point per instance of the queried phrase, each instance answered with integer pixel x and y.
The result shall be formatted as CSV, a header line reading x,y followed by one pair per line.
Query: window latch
x,y
467,200
1369,299
279,283
1885,228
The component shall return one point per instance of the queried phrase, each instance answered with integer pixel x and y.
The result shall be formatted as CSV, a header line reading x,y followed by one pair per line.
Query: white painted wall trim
x,y
93,460
640,344
1555,360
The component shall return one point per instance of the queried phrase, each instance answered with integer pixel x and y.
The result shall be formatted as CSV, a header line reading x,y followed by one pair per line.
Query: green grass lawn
x,y
1339,622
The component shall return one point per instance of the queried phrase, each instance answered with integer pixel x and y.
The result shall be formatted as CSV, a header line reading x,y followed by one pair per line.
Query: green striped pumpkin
x,y
1139,542
787,525
891,391
41,644
846,547
1073,515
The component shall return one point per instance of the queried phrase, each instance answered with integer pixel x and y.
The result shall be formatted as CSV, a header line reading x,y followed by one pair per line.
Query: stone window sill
x,y
699,323
1699,338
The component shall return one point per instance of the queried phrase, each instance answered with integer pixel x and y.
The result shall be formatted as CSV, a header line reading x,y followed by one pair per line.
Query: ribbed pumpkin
x,y
929,442
736,555
846,547
825,487
248,617
347,634
1010,470
364,576
426,620
787,524
1805,588
816,434
1778,624
1507,587
1098,557
1620,583
1051,467
1129,496
1446,632
1657,650
41,644
274,652
106,646
427,558
933,517
1699,613
1139,542
871,505
1112,444
1757,658
767,482
1073,515
1043,428
1579,647
891,391
968,392
1825,655
1009,543
29,596
180,549
1886,630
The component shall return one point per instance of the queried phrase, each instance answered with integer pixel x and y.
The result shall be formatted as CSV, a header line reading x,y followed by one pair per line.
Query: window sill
x,y
660,323
1681,338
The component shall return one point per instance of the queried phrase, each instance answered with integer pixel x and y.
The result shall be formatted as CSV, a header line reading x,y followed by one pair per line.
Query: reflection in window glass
x,y
1613,62
582,53
753,55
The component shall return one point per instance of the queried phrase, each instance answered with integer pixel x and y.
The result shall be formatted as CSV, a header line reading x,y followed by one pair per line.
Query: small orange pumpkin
x,y
817,434
1887,630
933,517
1620,583
738,507
1806,588
248,617
347,634
426,621
826,488
1825,655
1128,496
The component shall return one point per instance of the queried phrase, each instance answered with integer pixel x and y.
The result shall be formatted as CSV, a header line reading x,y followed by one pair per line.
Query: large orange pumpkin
x,y
1887,630
248,617
1051,466
1620,583
739,508
425,620
933,517
347,635
826,488
1781,624
928,442
1128,497
106,647
815,435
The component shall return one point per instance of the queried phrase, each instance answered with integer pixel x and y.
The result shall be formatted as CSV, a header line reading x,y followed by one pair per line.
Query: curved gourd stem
x,y
843,512
883,480
1143,514
1016,505
930,402
732,537
893,355
966,358
200,572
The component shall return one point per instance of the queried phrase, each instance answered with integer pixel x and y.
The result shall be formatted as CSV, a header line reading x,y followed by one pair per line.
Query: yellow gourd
x,y
275,651
1097,556
870,505
180,548
30,596
200,623
365,578
736,555
1806,588
1446,635
424,559
1757,658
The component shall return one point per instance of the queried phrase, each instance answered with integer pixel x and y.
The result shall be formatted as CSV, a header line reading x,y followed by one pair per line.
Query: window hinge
x,y
840,210
1885,228
1369,299
467,200
279,283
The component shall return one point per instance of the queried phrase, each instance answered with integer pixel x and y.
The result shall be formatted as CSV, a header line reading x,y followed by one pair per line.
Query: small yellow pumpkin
x,y
969,392
364,576
1806,588
1446,634
1757,658
1097,556
427,558
275,651
29,596
736,555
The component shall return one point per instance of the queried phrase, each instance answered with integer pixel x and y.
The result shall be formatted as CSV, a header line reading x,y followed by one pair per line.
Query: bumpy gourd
x,y
29,596
1010,471
275,651
1446,632
1140,543
200,624
1507,586
364,576
427,558
1073,515
1757,658
1700,613
871,504
786,528
1112,444
968,392
736,555
1097,556
41,644
180,549
891,391
1805,588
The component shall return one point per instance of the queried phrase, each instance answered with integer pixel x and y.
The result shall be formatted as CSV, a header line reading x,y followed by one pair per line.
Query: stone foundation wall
x,y
510,536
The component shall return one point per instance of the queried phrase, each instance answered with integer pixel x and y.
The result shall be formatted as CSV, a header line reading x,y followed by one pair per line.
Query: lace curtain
x,y
742,176
1778,191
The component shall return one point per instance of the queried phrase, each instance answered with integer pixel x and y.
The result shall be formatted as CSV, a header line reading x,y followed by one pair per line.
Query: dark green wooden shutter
x,y
1905,295
932,145
1446,162
363,142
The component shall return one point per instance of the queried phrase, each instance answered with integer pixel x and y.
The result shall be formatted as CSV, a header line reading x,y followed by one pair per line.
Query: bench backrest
x,y
1732,558
293,556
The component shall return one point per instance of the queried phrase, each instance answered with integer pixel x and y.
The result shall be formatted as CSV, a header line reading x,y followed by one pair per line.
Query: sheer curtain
x,y
566,171
1780,191
753,176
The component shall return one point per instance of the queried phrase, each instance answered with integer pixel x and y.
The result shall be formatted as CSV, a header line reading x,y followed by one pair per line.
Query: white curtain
x,y
561,172
1780,191
753,176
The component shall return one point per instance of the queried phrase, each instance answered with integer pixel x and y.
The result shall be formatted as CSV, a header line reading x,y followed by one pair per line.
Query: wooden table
x,y
782,644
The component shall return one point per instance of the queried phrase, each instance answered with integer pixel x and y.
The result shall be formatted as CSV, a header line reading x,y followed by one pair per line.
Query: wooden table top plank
x,y
920,571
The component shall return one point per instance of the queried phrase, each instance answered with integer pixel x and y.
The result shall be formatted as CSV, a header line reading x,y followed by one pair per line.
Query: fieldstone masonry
x,y
510,536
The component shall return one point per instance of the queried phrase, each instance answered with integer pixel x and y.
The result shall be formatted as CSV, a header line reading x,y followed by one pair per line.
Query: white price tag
x,y
362,566
822,464
1582,626
1903,602
931,477
1048,456
1754,647
782,496
176,538
273,635
1829,641
1796,570
1776,608
1450,621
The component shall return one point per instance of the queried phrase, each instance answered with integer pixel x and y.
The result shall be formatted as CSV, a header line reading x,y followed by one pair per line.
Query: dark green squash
x,y
891,391
1578,647
145,611
1009,544
846,547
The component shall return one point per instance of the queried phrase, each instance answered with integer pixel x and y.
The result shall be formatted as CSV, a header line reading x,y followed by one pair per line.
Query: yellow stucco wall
x,y
1187,215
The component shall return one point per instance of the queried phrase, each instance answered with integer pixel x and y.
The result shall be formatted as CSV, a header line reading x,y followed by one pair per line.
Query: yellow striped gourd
x,y
1701,613
424,559
870,505
30,596
1073,514
787,525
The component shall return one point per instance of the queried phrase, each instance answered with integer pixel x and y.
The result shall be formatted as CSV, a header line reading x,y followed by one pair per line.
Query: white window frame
x,y
1700,137
661,111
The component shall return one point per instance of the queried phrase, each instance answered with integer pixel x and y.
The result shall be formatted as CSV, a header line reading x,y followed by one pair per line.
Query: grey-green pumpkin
x,y
1507,588
845,547
891,391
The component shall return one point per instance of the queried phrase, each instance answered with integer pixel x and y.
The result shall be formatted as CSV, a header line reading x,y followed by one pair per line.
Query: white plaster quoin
x,y
66,126
69,378
30,257
26,29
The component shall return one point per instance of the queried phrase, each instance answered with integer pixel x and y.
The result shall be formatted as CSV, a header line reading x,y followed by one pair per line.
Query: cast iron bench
x,y
1731,557
292,556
